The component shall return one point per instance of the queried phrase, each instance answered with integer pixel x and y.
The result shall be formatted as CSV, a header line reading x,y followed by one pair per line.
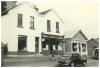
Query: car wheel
x,y
72,64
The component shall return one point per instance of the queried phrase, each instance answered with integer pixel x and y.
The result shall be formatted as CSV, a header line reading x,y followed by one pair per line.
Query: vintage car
x,y
72,59
96,53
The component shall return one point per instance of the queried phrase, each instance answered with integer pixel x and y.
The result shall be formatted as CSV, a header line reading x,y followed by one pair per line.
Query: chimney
x,y
36,8
11,4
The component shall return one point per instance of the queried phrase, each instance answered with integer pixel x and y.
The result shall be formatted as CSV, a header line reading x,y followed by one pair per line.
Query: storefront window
x,y
43,44
74,47
60,47
54,48
84,47
45,47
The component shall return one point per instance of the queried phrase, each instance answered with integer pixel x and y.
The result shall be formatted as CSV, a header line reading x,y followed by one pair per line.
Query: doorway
x,y
22,43
37,44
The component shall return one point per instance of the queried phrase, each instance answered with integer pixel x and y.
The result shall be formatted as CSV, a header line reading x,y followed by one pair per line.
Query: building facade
x,y
76,41
53,32
24,29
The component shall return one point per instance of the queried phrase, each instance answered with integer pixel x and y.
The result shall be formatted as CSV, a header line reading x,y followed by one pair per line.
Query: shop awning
x,y
52,36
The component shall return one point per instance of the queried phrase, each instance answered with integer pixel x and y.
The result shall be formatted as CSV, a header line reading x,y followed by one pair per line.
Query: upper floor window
x,y
31,22
57,27
48,26
20,17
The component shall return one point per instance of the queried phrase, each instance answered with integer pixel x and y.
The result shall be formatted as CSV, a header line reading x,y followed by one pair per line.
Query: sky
x,y
76,15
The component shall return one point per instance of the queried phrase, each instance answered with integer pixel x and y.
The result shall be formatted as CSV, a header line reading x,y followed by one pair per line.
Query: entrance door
x,y
53,42
22,43
51,48
37,44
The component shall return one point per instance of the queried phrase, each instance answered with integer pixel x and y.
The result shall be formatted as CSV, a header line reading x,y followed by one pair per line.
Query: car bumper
x,y
64,64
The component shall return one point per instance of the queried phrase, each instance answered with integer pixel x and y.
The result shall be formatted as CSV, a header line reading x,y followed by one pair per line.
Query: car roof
x,y
96,48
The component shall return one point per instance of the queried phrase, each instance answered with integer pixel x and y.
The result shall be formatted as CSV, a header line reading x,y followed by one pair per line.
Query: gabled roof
x,y
45,12
95,39
42,13
5,12
73,33
70,34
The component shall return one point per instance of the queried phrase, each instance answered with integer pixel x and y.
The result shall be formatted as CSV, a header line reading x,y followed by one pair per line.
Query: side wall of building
x,y
67,45
91,45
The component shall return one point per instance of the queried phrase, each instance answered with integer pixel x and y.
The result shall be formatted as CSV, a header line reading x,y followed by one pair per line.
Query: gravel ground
x,y
31,64
42,63
92,63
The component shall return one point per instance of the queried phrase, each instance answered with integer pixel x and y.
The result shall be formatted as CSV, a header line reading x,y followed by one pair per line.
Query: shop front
x,y
52,44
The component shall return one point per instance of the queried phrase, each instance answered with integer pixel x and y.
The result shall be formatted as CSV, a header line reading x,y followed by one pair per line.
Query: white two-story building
x,y
24,29
52,32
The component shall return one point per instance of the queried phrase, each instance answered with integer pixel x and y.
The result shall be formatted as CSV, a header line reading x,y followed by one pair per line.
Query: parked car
x,y
72,59
96,53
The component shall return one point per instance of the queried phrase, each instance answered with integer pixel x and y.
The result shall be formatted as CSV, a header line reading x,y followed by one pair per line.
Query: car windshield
x,y
76,55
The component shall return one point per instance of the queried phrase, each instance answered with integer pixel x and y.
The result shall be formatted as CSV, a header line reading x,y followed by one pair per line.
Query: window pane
x,y
31,25
32,22
84,47
19,20
74,47
48,25
57,27
31,19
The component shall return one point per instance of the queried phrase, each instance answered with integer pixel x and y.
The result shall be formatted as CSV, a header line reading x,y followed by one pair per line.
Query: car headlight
x,y
66,60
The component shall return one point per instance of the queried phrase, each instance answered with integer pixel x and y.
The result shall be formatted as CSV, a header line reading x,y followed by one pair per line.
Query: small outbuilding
x,y
92,44
76,41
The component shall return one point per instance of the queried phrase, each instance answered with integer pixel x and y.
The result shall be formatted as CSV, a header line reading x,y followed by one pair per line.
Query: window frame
x,y
85,47
57,27
48,26
72,45
20,21
32,22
